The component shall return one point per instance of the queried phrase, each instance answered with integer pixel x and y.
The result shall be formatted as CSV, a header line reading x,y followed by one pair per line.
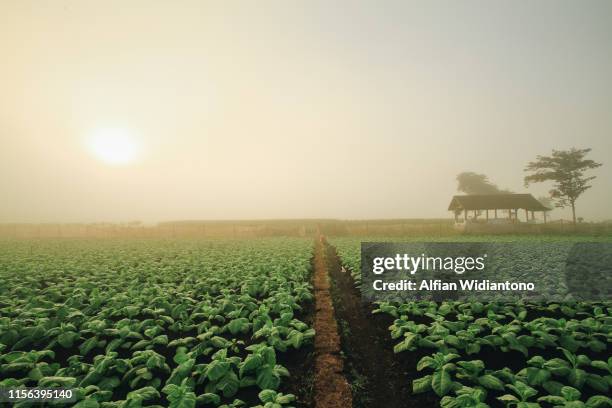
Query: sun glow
x,y
115,146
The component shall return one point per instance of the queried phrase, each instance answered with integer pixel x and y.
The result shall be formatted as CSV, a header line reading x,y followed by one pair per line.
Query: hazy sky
x,y
266,109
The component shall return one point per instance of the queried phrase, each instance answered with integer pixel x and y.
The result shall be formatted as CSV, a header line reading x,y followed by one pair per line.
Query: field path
x,y
378,376
331,390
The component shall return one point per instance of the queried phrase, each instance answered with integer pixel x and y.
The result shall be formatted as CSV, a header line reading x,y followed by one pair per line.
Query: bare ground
x,y
331,389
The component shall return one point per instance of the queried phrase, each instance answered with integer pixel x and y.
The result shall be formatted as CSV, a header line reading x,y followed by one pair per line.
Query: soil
x,y
378,377
331,389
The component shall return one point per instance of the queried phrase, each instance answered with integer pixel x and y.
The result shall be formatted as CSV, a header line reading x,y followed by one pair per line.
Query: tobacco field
x,y
495,354
155,323
230,323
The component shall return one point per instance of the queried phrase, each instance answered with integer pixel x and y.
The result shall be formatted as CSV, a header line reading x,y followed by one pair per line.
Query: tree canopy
x,y
566,169
473,183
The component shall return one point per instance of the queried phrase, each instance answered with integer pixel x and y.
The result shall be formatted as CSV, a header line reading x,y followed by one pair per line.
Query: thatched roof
x,y
496,201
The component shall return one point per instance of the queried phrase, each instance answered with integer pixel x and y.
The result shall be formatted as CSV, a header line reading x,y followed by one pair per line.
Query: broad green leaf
x,y
491,382
422,384
217,369
441,382
67,339
267,378
251,363
209,398
146,393
570,393
229,384
57,381
599,401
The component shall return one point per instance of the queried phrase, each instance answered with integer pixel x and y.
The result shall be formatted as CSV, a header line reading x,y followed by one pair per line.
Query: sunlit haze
x,y
113,145
167,110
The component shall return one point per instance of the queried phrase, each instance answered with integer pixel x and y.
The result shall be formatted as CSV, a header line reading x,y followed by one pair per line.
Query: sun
x,y
115,146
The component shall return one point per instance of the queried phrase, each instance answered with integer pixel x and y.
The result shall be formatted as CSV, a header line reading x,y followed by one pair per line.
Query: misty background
x,y
279,109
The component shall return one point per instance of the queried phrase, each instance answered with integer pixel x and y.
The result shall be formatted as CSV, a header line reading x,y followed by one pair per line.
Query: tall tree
x,y
566,169
469,182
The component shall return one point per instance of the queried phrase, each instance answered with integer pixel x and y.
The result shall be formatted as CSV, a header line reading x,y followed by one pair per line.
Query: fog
x,y
276,109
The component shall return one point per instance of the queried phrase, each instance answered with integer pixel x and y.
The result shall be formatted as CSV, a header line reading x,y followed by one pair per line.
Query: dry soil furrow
x,y
331,390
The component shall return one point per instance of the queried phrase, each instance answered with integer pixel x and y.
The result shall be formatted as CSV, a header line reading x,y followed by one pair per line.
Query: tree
x,y
473,183
566,169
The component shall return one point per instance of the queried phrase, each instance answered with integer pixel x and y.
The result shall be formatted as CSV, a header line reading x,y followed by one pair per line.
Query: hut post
x,y
465,214
496,213
526,215
487,212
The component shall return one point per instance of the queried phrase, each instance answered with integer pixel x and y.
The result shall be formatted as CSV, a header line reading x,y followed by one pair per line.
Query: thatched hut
x,y
477,207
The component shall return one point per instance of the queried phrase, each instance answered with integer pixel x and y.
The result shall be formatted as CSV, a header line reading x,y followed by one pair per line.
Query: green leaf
x,y
247,381
296,338
209,398
35,374
552,399
219,342
523,390
553,387
404,345
602,365
240,325
269,355
425,362
67,339
181,372
508,398
267,378
179,396
285,398
251,363
449,402
537,376
599,401
109,383
597,346
229,384
217,369
570,393
267,395
577,377
491,382
88,345
422,384
558,366
597,382
57,381
146,393
441,382
472,348
141,344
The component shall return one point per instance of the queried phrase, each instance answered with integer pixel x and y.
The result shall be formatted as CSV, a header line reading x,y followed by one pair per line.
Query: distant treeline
x,y
224,229
270,228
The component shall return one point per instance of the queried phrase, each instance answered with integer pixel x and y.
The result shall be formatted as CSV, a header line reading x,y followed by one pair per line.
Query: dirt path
x,y
378,377
331,390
